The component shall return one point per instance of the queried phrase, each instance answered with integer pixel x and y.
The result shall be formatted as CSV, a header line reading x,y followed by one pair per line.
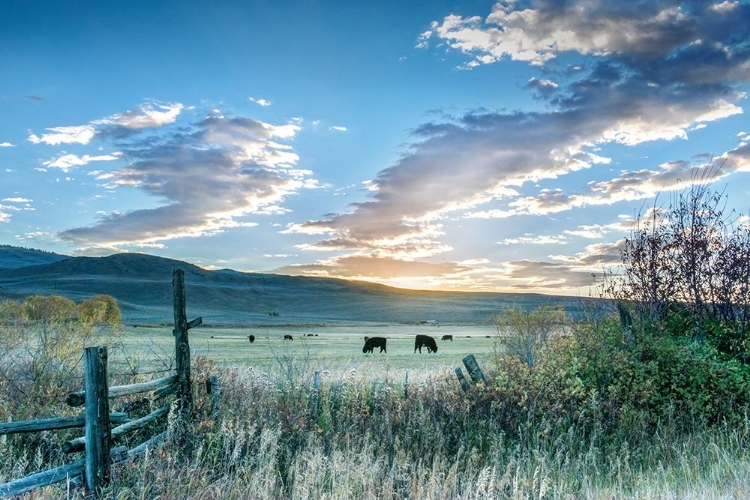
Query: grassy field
x,y
328,349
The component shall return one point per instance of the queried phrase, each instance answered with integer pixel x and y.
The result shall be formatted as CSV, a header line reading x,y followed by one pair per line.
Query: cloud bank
x,y
649,71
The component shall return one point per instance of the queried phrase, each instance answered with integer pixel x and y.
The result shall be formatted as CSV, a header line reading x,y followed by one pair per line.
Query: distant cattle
x,y
373,342
310,335
487,337
447,337
288,337
251,338
425,341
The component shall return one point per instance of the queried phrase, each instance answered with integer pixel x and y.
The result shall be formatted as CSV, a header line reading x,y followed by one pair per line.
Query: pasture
x,y
324,348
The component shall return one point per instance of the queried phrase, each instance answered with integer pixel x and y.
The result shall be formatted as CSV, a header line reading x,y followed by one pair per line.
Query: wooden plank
x,y
166,391
147,444
79,398
97,428
54,423
196,322
28,483
79,444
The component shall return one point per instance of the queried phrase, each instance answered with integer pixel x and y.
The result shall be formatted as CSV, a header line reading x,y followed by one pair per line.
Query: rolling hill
x,y
142,284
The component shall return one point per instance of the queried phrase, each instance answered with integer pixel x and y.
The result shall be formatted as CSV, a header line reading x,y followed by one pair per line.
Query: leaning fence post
x,y
462,379
315,396
406,385
97,419
470,362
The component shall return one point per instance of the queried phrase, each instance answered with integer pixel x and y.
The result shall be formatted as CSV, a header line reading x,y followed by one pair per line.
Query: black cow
x,y
373,342
251,338
425,341
288,337
448,337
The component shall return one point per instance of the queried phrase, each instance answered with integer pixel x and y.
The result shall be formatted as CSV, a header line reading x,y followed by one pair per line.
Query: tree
x,y
523,333
100,309
686,269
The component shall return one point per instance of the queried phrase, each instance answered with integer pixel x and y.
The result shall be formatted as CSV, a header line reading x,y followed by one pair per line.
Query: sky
x,y
441,145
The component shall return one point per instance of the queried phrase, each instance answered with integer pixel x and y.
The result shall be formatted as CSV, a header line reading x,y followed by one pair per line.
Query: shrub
x,y
524,333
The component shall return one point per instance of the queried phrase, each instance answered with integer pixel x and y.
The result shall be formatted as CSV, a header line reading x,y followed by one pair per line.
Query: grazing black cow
x,y
251,338
288,337
425,341
448,337
373,342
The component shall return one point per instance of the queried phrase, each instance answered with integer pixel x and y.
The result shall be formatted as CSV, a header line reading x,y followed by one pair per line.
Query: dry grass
x,y
371,441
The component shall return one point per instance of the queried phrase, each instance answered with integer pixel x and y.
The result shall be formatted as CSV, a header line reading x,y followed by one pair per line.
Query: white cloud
x,y
81,134
6,145
67,162
338,128
260,102
146,116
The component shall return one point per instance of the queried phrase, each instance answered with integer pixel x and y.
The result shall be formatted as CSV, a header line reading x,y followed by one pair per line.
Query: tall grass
x,y
370,439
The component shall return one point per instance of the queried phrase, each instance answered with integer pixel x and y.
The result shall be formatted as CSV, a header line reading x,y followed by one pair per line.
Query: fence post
x,y
215,391
462,379
470,362
97,419
406,385
182,347
315,397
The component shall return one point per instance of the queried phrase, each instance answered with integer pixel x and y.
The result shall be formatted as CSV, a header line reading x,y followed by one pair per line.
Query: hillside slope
x,y
142,284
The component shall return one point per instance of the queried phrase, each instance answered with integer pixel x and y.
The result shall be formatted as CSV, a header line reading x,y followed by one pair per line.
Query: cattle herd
x,y
372,343
419,342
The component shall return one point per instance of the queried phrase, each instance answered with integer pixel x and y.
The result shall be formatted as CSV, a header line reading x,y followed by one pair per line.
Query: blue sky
x,y
472,146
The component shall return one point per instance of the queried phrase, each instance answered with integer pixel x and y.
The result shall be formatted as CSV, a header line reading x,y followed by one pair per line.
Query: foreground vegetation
x,y
591,418
643,396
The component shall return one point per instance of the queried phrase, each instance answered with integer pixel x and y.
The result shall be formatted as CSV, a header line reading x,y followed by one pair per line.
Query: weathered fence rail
x,y
97,420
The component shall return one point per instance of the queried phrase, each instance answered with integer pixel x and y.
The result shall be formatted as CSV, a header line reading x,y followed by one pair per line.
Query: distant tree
x,y
48,309
100,309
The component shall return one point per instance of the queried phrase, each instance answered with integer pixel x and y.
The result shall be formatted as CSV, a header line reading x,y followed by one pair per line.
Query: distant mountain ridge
x,y
142,284
14,257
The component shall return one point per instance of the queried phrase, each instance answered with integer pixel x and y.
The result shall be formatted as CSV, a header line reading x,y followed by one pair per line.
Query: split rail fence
x,y
97,420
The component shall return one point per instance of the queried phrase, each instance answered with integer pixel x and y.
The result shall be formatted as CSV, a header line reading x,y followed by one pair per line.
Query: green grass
x,y
334,349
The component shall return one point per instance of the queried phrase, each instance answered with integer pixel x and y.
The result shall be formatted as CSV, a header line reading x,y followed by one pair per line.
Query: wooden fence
x,y
97,420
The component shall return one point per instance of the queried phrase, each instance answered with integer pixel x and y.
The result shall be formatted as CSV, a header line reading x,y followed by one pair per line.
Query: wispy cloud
x,y
81,134
6,210
260,102
338,128
146,116
67,162
6,145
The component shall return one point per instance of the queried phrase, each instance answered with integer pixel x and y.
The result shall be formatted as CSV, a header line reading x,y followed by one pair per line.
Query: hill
x,y
15,257
142,284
